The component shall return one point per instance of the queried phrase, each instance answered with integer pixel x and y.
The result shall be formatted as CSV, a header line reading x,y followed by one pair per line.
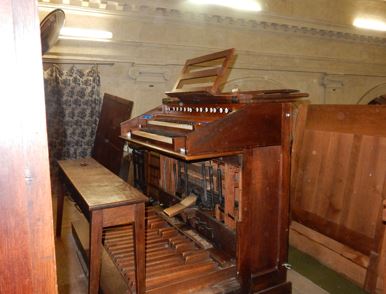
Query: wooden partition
x,y
384,263
338,184
27,249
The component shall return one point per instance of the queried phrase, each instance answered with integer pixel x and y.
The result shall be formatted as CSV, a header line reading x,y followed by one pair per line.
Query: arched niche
x,y
251,84
373,94
381,100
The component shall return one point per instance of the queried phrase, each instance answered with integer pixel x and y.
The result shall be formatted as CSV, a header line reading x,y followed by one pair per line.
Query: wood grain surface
x,y
339,180
27,259
99,187
108,147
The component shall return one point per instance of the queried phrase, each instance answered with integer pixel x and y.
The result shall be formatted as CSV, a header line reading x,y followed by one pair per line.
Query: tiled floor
x,y
71,279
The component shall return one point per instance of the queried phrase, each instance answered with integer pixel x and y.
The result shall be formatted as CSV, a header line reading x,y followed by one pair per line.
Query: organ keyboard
x,y
231,150
183,131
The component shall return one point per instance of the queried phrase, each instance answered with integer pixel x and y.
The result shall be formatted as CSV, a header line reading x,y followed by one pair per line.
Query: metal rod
x,y
70,61
186,179
219,182
211,185
203,172
179,177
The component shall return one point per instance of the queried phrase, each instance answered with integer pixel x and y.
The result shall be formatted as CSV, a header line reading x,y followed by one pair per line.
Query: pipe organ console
x,y
231,151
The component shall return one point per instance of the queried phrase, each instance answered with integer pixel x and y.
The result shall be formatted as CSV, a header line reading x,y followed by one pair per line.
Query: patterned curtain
x,y
73,104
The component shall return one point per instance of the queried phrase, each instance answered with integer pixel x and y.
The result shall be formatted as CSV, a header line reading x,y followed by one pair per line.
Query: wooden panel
x,y
167,175
118,215
336,173
358,119
339,179
384,211
259,253
323,168
362,214
381,284
27,259
108,147
333,254
254,125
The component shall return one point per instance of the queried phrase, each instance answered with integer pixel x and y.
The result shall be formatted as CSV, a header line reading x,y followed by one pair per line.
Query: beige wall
x,y
306,45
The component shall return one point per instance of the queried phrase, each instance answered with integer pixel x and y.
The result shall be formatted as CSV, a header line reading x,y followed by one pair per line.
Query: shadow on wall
x,y
252,84
373,94
381,100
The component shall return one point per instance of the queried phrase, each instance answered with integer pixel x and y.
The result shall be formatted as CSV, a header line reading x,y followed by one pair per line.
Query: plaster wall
x,y
305,45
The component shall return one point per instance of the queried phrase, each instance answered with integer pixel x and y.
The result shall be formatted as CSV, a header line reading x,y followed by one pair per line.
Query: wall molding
x,y
372,93
262,22
149,73
136,52
329,82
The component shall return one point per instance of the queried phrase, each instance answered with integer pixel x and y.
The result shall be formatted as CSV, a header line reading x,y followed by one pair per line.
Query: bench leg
x,y
59,210
96,223
139,241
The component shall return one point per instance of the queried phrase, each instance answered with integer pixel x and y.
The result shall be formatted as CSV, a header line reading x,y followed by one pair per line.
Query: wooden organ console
x,y
231,152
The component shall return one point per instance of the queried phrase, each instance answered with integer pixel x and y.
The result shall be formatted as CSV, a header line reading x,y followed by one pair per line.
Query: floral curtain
x,y
73,104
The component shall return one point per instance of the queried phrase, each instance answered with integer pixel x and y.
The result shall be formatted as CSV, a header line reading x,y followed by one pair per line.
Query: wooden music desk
x,y
105,200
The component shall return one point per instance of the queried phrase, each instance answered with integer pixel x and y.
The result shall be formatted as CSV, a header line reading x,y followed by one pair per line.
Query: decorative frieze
x,y
261,22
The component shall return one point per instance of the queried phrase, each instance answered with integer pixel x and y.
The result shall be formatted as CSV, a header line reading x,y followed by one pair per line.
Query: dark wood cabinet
x,y
232,152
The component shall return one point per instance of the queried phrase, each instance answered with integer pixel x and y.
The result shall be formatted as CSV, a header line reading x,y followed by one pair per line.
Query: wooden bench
x,y
106,201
